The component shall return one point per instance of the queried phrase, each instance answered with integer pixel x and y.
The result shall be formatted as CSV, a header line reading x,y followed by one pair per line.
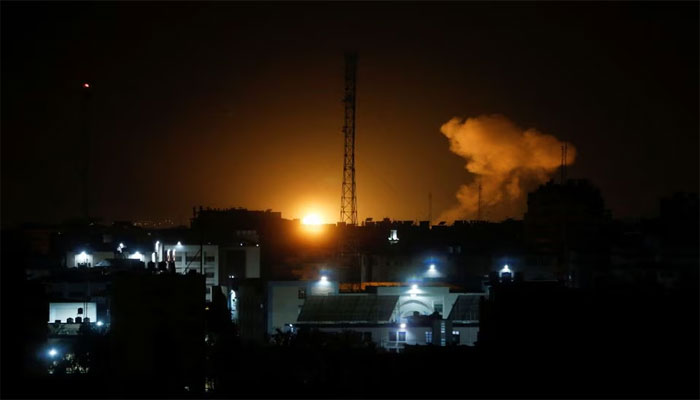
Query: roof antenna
x,y
563,162
478,210
430,207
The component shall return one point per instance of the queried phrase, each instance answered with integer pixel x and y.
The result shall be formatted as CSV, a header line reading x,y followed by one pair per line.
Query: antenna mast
x,y
85,167
348,200
478,209
563,163
430,207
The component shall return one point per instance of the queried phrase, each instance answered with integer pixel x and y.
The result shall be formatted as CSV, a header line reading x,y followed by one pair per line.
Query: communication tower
x,y
348,200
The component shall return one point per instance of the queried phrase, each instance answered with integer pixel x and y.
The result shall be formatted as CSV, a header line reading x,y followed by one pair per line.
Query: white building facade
x,y
392,318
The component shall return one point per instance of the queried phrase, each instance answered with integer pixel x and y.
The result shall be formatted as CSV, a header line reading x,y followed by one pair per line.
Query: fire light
x,y
311,219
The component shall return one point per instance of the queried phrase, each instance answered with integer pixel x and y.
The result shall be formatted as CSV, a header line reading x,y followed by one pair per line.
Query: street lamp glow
x,y
414,287
324,279
432,267
100,323
403,326
179,244
53,352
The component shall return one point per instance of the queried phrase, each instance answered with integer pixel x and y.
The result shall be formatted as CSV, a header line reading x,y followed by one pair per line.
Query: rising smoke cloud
x,y
508,162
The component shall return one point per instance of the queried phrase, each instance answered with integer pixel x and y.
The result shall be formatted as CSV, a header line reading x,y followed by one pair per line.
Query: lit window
x,y
402,336
429,337
455,337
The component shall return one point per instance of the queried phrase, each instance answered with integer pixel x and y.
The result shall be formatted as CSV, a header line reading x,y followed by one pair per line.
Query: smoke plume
x,y
506,160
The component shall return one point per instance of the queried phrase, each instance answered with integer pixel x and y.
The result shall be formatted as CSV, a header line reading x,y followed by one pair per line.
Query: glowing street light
x,y
53,352
403,326
505,270
324,279
100,323
393,237
432,267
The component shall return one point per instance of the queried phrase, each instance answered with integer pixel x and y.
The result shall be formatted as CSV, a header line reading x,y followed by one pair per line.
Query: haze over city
x,y
350,200
200,104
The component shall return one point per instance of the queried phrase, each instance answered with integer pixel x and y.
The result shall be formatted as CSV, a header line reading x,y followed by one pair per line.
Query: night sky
x,y
237,104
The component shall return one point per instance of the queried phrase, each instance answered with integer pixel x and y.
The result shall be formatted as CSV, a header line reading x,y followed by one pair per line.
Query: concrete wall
x,y
467,334
63,311
381,335
252,262
182,265
284,304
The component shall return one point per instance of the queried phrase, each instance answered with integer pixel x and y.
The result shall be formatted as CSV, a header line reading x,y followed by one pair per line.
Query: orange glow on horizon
x,y
311,219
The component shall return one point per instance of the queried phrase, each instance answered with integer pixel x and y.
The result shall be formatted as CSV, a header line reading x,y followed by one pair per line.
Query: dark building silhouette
x,y
157,334
566,231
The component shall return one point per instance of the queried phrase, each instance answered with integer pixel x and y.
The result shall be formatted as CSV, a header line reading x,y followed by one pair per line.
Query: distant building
x,y
566,232
222,265
286,298
391,317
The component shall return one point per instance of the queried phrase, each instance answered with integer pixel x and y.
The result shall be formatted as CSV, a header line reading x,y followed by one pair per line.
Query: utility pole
x,y
86,139
430,207
478,209
348,201
563,163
